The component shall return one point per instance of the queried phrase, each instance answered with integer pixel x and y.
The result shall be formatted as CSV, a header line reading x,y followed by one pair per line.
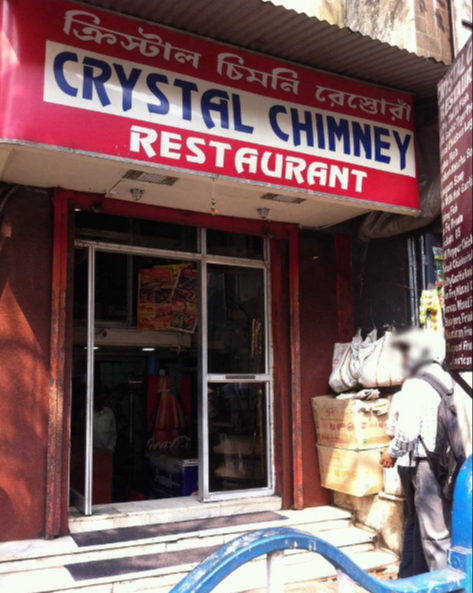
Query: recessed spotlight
x,y
148,349
77,209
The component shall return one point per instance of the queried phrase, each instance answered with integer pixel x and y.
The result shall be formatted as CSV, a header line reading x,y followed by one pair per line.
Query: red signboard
x,y
94,82
455,100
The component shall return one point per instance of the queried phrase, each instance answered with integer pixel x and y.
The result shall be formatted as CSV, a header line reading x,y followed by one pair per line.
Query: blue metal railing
x,y
273,542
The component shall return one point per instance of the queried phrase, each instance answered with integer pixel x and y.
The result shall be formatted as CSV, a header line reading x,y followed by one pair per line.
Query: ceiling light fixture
x,y
263,213
136,194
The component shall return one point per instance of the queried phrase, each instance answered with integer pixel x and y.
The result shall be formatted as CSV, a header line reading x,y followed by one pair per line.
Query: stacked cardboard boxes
x,y
351,435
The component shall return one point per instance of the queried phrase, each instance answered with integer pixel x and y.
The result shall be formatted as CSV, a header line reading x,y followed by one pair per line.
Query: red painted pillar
x,y
54,468
346,315
294,290
281,371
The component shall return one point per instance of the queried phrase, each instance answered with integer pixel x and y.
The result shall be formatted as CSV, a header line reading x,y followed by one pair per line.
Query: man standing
x,y
416,429
413,560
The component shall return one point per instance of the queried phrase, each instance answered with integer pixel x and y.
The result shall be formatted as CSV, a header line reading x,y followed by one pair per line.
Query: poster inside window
x,y
167,298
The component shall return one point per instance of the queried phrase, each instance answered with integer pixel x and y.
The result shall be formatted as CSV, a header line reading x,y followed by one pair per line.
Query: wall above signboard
x,y
96,83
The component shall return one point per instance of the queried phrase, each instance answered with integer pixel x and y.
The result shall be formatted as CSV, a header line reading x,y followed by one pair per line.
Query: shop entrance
x,y
171,383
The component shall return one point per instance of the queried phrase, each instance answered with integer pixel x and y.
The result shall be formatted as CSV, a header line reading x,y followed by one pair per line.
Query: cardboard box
x,y
358,473
351,424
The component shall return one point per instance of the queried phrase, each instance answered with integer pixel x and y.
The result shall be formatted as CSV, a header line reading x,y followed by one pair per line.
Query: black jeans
x,y
413,560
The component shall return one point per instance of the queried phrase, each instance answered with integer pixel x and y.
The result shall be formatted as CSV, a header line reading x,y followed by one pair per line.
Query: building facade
x,y
423,28
169,292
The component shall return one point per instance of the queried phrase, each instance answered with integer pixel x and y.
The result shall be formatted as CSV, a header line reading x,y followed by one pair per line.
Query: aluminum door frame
x,y
203,259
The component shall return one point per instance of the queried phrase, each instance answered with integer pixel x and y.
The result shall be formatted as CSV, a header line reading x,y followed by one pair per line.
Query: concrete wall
x,y
386,515
419,26
391,21
25,305
325,10
434,29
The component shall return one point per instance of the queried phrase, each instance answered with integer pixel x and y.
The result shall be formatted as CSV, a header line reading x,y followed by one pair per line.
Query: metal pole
x,y
411,282
424,262
89,432
275,572
416,282
204,464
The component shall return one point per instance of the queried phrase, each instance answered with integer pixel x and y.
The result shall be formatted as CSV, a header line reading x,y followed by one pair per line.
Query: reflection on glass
x,y
237,437
236,320
235,245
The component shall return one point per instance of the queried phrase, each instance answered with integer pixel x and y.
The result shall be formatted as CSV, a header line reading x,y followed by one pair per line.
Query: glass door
x,y
236,438
171,348
132,416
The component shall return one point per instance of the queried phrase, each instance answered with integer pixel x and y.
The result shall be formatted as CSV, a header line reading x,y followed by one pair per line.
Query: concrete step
x,y
159,512
154,558
30,555
310,568
300,568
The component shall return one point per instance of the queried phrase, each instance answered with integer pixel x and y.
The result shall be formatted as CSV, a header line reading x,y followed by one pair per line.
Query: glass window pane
x,y
136,232
235,245
238,437
159,235
102,227
236,320
81,274
111,279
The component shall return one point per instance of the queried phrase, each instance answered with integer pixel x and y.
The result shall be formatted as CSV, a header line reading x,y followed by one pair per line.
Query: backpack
x,y
449,455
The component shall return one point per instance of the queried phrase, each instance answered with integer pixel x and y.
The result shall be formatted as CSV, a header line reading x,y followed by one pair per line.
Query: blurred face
x,y
413,356
408,364
421,347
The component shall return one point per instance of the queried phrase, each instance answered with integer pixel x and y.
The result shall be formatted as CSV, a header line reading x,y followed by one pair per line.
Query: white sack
x,y
339,351
383,366
345,375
